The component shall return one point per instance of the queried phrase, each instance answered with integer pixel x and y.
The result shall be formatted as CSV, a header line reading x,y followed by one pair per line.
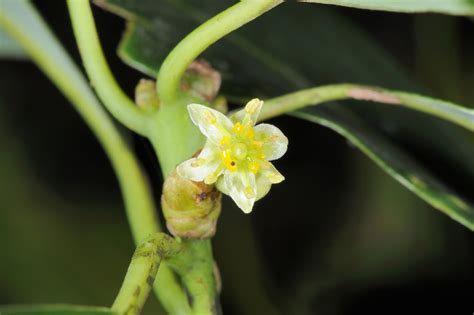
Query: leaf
x,y
9,49
455,7
304,48
393,160
55,310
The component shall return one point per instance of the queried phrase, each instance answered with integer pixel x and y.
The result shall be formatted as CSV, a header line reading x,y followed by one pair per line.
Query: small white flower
x,y
236,154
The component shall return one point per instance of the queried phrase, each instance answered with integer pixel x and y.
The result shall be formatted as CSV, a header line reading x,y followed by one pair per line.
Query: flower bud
x,y
145,94
191,209
201,80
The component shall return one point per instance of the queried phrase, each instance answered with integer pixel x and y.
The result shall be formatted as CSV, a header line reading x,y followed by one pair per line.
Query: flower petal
x,y
249,114
213,124
242,189
262,182
252,110
198,169
263,186
274,141
270,172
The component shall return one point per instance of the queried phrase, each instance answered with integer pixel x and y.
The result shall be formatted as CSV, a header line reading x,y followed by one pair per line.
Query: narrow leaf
x,y
393,160
54,310
454,7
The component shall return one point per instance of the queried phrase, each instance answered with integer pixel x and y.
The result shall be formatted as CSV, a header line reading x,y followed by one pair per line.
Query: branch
x,y
141,273
121,107
174,66
459,115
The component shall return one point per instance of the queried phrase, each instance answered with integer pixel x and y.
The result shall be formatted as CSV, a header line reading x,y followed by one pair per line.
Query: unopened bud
x,y
145,94
201,80
191,209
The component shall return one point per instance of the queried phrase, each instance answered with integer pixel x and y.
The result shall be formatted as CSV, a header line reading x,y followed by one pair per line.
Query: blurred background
x,y
339,236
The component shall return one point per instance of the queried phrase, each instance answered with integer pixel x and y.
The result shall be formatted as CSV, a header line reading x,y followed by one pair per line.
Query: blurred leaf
x,y
251,66
438,42
55,310
33,216
392,236
394,161
456,7
9,48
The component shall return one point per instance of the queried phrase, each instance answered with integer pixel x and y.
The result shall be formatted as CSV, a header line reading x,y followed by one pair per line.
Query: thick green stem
x,y
98,71
459,115
22,22
174,66
173,135
141,273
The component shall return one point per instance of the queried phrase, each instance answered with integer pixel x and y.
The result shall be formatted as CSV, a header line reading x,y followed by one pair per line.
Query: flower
x,y
237,153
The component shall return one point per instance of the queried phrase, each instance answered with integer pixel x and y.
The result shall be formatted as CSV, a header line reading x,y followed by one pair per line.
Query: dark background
x,y
337,237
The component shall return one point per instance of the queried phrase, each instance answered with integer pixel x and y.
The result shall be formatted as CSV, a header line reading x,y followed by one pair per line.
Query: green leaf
x,y
380,149
55,310
305,48
9,49
393,160
455,7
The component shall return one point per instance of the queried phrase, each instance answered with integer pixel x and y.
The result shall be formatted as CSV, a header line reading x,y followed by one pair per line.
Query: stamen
x,y
238,127
254,167
225,140
229,163
250,132
257,144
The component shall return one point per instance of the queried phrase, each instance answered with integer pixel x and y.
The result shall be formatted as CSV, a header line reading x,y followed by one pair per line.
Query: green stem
x,y
142,271
177,141
22,22
197,273
164,136
459,115
195,265
98,71
174,66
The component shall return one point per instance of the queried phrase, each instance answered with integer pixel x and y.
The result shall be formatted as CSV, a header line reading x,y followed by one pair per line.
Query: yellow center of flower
x,y
240,150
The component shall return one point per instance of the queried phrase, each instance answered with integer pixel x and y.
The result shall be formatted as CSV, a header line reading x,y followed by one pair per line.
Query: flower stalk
x,y
109,91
